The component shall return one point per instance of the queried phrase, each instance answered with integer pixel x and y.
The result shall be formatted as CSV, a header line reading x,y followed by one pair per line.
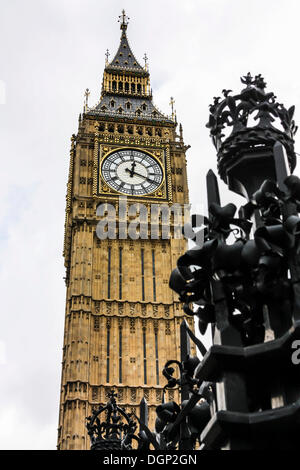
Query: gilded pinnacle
x,y
123,20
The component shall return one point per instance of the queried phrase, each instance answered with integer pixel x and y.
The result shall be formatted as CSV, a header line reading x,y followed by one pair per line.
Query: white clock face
x,y
132,172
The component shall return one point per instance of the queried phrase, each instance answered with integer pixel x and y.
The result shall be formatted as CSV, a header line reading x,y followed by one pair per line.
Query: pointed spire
x,y
124,57
126,84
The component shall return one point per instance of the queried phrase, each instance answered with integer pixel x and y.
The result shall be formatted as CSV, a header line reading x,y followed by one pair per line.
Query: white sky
x,y
51,50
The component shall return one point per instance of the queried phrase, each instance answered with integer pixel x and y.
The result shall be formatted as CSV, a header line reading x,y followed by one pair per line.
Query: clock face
x,y
132,172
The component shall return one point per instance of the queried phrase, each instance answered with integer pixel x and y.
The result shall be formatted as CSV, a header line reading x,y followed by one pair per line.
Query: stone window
x,y
96,323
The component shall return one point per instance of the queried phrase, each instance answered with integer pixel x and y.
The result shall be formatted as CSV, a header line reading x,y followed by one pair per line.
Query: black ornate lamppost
x,y
248,289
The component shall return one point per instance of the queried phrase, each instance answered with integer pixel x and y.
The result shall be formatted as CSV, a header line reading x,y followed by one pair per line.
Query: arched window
x,y
132,88
126,86
120,86
139,88
114,85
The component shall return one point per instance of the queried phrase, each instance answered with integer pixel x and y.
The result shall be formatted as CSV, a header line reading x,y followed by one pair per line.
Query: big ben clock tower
x,y
122,320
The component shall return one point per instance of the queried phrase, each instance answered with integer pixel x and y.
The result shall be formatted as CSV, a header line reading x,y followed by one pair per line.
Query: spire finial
x,y
86,99
107,54
123,20
172,102
146,61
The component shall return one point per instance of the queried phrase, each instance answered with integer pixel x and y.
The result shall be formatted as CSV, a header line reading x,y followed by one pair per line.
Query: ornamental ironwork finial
x,y
123,20
248,124
116,431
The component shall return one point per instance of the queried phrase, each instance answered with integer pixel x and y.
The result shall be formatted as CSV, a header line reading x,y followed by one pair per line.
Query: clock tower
x,y
122,320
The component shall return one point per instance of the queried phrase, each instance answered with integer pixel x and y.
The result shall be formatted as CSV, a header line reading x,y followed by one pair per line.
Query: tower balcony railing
x,y
129,114
122,68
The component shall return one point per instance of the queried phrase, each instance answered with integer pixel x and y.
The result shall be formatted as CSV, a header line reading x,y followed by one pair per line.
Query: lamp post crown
x,y
249,123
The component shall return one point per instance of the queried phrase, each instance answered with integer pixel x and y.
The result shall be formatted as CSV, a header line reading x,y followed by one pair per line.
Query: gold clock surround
x,y
157,190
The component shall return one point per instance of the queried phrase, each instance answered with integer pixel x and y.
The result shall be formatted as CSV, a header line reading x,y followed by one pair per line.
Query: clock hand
x,y
131,171
133,164
142,176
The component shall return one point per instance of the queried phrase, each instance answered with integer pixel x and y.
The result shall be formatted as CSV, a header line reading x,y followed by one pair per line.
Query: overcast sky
x,y
51,50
